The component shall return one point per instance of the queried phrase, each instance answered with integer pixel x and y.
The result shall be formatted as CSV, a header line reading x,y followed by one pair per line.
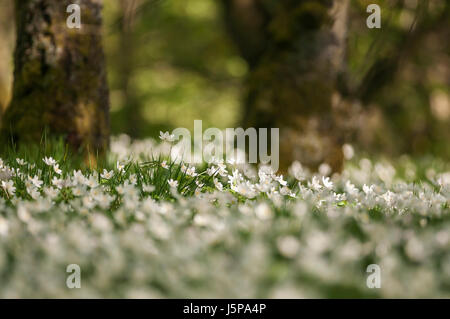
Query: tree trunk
x,y
294,73
6,48
59,77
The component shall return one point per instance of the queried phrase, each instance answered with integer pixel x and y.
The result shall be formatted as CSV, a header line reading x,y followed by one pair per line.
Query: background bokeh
x,y
172,61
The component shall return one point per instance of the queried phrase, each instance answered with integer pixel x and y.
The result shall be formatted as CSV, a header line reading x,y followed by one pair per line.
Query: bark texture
x,y
6,49
59,78
296,57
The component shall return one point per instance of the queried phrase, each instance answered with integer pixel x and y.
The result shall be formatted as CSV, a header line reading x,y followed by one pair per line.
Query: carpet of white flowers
x,y
151,227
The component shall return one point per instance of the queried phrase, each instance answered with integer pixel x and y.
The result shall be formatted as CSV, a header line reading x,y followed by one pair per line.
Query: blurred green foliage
x,y
181,65
409,111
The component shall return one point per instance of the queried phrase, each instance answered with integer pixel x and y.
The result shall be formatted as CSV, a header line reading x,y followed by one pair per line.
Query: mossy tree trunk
x,y
296,52
59,78
6,47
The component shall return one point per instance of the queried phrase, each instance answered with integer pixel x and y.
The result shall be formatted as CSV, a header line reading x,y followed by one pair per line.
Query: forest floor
x,y
145,226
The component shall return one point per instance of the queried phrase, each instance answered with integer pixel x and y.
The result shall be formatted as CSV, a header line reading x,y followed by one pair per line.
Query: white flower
x,y
126,189
212,171
36,181
218,184
20,161
280,180
9,187
166,136
57,169
104,200
368,190
350,188
148,188
389,197
339,197
264,186
88,202
315,184
292,194
327,182
5,173
164,165
49,161
78,191
245,189
79,178
120,167
51,192
58,182
172,183
199,184
235,178
92,182
286,191
34,193
191,171
133,179
106,174
222,169
296,170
